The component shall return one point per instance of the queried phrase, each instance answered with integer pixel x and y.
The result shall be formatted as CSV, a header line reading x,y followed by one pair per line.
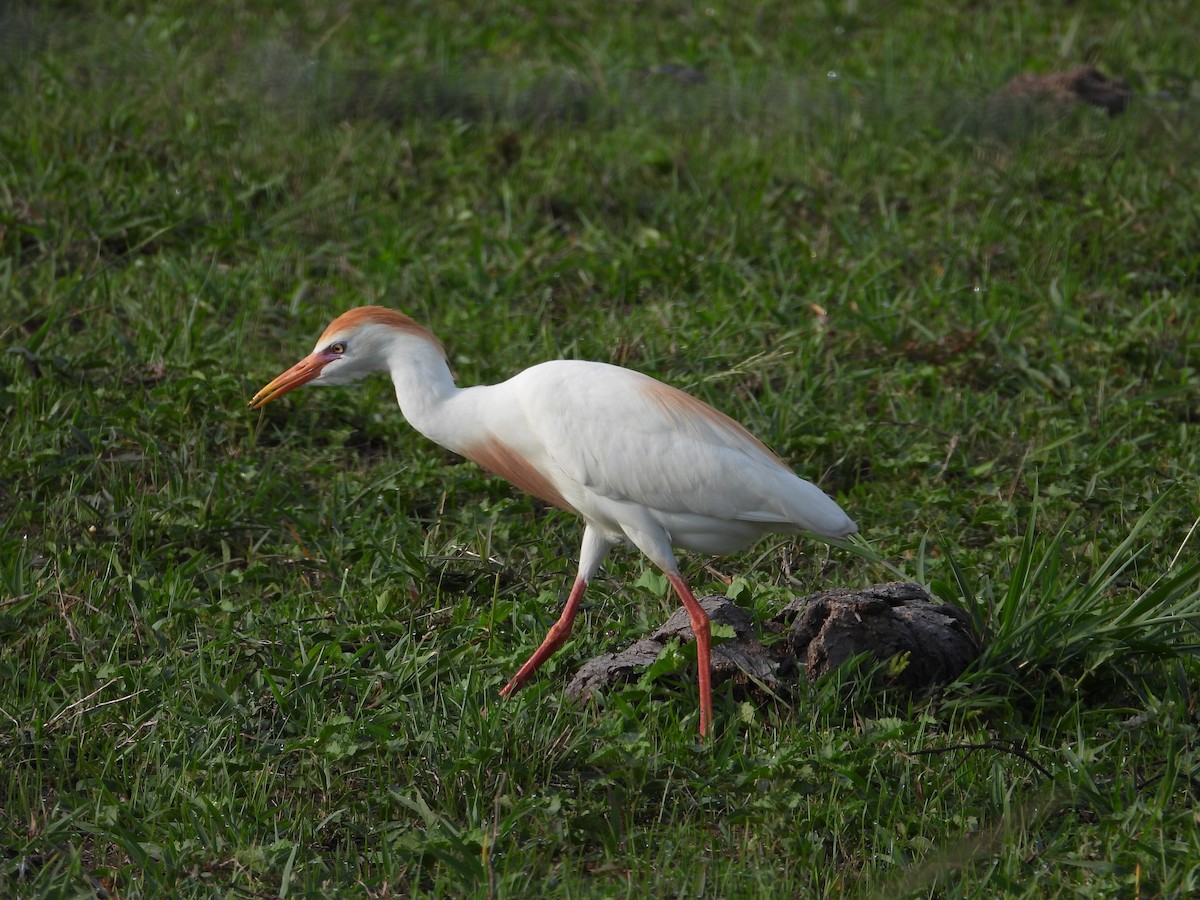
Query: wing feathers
x,y
623,436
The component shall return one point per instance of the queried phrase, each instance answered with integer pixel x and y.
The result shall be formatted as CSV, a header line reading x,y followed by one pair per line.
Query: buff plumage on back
x,y
678,406
379,315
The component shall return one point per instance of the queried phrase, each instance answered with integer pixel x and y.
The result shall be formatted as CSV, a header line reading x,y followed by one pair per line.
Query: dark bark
x,y
826,629
1056,91
819,633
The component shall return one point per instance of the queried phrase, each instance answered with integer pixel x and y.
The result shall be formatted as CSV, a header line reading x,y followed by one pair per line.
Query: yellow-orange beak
x,y
301,373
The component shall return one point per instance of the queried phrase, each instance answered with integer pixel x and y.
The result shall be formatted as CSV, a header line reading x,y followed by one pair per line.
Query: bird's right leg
x,y
591,553
555,637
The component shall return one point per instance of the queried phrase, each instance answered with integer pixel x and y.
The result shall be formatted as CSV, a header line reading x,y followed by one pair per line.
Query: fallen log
x,y
931,642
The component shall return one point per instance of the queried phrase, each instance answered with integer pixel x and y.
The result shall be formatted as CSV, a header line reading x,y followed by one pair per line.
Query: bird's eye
x,y
339,348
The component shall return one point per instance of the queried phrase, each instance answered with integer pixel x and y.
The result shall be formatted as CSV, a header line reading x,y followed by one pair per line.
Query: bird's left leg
x,y
591,554
652,540
703,632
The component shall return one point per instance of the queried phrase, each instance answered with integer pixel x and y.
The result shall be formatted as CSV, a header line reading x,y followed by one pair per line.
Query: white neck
x,y
424,390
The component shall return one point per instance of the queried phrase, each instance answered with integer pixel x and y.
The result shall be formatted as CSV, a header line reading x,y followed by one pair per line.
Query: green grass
x,y
260,655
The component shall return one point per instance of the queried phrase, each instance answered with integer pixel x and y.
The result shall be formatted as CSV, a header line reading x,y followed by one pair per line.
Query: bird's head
x,y
356,344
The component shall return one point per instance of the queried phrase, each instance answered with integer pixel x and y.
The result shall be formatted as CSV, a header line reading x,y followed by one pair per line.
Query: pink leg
x,y
559,632
703,633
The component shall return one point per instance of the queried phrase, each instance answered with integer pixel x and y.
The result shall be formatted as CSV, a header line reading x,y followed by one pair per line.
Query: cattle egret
x,y
639,461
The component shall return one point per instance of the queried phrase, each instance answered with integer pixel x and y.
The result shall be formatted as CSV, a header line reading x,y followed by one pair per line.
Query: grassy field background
x,y
256,655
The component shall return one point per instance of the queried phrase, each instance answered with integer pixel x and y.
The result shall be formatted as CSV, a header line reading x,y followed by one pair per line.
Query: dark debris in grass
x,y
922,645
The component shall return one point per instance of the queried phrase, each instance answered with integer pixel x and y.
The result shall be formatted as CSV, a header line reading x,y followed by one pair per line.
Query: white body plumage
x,y
636,459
